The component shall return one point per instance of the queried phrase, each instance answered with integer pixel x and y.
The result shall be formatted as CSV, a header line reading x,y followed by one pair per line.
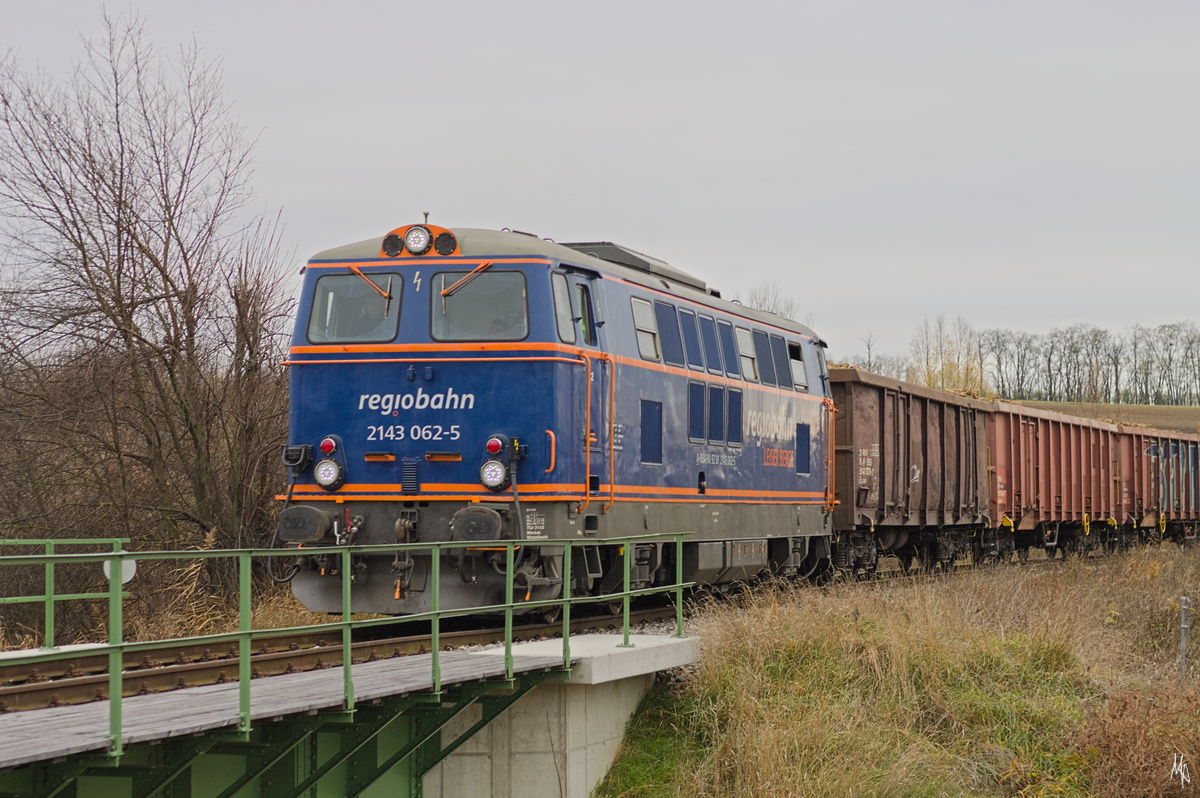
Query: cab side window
x,y
647,329
799,375
562,309
587,318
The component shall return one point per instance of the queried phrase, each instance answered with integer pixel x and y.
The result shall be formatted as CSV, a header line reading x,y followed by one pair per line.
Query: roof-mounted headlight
x,y
418,239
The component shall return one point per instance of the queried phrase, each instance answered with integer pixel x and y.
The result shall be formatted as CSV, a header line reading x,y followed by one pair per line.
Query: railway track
x,y
83,678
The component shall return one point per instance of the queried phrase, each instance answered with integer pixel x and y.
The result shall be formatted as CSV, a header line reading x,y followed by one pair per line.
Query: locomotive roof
x,y
601,256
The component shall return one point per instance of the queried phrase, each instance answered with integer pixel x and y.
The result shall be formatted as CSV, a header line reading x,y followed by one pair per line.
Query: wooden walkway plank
x,y
40,734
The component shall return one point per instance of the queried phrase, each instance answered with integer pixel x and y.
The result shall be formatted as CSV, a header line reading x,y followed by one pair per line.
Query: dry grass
x,y
167,602
999,682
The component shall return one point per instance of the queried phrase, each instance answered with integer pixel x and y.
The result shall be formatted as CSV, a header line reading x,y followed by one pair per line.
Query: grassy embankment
x,y
1006,681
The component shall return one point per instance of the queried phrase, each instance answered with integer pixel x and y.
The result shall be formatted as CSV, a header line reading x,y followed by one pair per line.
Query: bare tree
x,y
868,341
144,308
948,355
770,297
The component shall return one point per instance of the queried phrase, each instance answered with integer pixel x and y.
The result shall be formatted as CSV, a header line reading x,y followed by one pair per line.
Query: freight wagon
x,y
932,478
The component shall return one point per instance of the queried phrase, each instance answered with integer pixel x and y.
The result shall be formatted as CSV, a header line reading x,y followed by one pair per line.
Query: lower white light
x,y
494,475
328,474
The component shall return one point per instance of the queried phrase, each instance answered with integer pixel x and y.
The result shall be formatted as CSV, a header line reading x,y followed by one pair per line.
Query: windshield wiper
x,y
478,271
387,295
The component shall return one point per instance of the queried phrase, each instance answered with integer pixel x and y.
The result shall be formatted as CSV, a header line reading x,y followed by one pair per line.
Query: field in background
x,y
1167,417
1004,681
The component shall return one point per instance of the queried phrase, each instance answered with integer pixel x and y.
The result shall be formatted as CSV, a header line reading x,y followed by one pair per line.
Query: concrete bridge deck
x,y
577,731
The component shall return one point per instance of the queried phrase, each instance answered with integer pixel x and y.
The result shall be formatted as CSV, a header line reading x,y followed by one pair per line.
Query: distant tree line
x,y
1080,363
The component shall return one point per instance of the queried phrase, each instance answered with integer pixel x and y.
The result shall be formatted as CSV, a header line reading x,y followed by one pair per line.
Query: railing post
x,y
435,571
566,607
116,636
244,611
508,610
627,549
49,640
679,585
347,651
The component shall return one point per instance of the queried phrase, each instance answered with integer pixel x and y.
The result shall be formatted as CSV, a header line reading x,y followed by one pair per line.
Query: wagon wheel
x,y
613,608
866,573
988,556
911,561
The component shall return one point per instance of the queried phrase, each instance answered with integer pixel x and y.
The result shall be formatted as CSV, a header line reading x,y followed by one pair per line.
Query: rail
x,y
117,646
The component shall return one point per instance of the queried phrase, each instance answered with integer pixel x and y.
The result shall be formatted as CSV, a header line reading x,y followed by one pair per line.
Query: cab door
x,y
587,325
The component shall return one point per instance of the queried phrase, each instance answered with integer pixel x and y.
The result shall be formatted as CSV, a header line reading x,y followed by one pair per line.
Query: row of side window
x,y
703,342
714,414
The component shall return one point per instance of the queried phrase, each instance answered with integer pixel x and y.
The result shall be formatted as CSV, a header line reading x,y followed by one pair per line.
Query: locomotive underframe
x,y
726,543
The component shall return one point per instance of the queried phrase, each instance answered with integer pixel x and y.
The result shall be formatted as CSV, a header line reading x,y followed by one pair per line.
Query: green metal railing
x,y
117,646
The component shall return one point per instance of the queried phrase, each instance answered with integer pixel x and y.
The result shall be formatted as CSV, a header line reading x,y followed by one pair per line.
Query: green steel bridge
x,y
371,728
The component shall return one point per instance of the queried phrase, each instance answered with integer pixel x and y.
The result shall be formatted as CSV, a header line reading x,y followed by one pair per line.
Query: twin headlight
x,y
330,472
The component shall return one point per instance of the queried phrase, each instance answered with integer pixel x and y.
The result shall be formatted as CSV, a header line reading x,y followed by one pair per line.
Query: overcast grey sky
x,y
1023,164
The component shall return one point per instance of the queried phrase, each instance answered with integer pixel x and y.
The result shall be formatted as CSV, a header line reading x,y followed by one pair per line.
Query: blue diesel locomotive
x,y
482,386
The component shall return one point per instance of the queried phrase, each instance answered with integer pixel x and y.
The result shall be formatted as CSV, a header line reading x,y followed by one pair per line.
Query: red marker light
x,y
494,445
328,446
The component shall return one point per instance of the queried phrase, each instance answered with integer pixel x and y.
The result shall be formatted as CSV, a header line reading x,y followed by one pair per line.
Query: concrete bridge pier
x,y
560,739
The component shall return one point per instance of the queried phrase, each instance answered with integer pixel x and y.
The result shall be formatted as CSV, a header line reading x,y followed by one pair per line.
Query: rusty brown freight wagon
x,y
932,478
1049,468
911,471
1081,484
1160,478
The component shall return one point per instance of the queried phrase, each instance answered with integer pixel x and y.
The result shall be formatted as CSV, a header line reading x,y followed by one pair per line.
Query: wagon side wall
x,y
907,456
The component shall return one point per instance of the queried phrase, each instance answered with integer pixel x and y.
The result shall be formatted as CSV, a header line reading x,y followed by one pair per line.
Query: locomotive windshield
x,y
347,307
491,307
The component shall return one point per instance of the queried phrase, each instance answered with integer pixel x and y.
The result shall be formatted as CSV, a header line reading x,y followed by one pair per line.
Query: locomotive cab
x,y
441,404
